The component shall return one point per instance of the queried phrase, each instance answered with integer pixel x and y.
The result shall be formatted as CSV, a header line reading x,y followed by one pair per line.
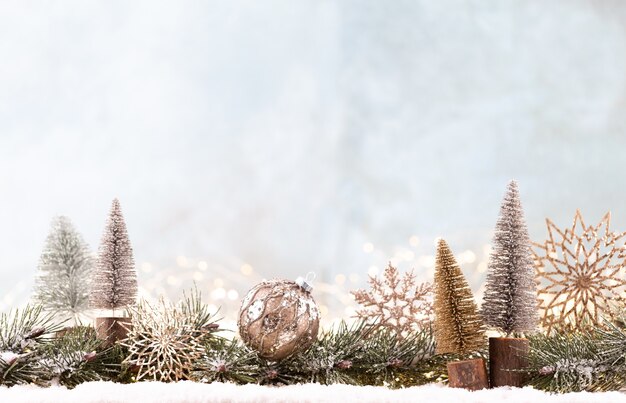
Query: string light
x,y
466,257
340,279
232,295
426,261
182,261
486,250
349,311
246,269
218,293
173,280
223,283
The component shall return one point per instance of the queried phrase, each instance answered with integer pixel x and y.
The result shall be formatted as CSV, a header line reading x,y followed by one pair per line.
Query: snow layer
x,y
146,392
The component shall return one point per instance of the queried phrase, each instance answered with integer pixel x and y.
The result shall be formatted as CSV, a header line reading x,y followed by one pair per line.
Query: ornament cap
x,y
306,283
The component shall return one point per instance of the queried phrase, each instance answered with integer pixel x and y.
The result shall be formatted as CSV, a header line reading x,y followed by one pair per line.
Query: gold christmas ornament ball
x,y
278,318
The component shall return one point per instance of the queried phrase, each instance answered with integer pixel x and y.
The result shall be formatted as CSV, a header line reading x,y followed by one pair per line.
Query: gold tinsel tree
x,y
458,327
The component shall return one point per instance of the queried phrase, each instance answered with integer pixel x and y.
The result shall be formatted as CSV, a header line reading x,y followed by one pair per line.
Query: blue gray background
x,y
250,140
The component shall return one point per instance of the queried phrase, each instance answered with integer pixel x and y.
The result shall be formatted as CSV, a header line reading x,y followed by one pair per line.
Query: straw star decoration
x,y
581,274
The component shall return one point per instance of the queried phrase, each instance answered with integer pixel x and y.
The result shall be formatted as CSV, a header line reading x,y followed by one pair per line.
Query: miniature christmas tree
x,y
458,327
510,302
62,285
115,280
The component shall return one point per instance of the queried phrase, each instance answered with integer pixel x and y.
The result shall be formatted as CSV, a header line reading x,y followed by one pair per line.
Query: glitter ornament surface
x,y
278,318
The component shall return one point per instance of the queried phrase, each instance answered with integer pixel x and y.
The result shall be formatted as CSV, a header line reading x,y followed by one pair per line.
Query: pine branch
x,y
361,355
22,333
332,357
227,361
197,314
387,355
613,341
78,357
573,362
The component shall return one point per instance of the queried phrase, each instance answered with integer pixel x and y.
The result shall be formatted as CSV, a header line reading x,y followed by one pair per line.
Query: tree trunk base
x,y
507,358
468,374
112,329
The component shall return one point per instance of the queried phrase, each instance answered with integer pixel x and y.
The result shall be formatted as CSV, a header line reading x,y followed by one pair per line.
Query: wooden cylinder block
x,y
468,374
112,329
507,358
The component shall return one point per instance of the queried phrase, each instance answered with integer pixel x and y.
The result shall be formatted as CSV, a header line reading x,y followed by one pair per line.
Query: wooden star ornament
x,y
581,274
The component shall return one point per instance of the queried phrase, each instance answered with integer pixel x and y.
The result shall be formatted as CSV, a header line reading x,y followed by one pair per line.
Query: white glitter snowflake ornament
x,y
396,302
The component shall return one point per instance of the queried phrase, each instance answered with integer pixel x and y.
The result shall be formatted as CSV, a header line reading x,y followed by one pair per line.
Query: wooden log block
x,y
112,329
468,374
507,356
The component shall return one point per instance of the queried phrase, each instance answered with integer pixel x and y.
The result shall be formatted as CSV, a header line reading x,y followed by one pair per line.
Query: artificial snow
x,y
8,357
146,392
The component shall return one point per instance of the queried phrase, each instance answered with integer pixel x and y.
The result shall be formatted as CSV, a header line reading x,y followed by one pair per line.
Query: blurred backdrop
x,y
250,140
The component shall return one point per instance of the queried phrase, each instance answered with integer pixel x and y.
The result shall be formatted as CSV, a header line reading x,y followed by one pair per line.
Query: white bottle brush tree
x,y
510,302
114,281
64,273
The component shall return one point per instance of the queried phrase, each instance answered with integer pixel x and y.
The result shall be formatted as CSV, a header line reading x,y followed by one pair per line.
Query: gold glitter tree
x,y
581,274
458,327
395,302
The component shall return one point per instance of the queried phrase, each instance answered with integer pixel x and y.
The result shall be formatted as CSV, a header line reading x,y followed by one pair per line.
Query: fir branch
x,y
227,361
22,333
573,362
197,315
613,341
332,357
23,369
78,357
394,361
